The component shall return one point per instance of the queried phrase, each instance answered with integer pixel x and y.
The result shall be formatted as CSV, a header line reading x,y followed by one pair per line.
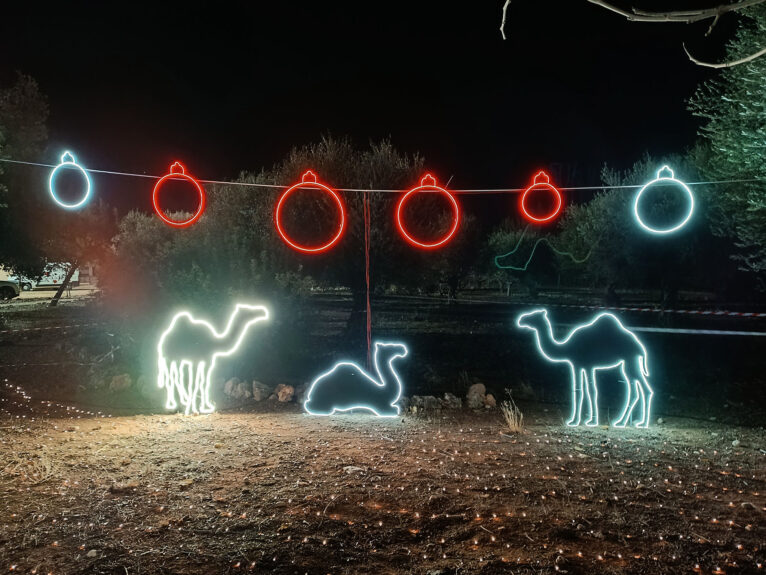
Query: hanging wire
x,y
478,191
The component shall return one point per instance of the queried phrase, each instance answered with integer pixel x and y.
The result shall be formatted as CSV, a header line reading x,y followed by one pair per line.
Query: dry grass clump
x,y
512,415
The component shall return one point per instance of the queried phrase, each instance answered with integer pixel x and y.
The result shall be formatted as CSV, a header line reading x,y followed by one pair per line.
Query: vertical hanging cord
x,y
366,204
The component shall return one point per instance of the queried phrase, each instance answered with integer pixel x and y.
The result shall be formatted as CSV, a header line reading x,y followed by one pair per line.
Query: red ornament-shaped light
x,y
309,181
178,172
541,183
427,184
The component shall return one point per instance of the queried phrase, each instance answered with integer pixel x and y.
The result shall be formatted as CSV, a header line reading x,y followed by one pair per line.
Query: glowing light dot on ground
x,y
178,172
68,162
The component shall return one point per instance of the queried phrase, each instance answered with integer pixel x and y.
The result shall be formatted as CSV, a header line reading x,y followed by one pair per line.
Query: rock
x,y
475,396
404,404
284,392
489,400
431,402
92,553
424,402
185,484
119,488
452,401
660,421
241,390
735,443
416,402
230,386
747,505
354,469
261,391
120,382
300,392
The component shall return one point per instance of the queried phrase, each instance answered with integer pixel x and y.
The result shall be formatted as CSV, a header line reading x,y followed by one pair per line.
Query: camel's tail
x,y
642,363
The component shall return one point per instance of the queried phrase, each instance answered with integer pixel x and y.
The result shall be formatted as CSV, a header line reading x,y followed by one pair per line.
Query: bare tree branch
x,y
725,64
682,16
502,24
677,16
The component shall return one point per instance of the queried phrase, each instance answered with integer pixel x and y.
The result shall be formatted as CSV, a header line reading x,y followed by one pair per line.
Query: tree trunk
x,y
70,272
355,326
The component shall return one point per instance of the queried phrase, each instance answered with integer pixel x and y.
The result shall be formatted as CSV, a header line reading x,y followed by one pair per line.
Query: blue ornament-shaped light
x,y
68,163
664,176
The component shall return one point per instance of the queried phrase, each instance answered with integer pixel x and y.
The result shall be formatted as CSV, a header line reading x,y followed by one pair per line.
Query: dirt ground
x,y
273,490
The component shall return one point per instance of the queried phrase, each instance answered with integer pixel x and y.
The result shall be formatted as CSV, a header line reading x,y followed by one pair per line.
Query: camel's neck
x,y
548,344
237,325
387,376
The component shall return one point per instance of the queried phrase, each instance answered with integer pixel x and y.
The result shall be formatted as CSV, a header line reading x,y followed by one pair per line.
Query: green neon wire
x,y
532,254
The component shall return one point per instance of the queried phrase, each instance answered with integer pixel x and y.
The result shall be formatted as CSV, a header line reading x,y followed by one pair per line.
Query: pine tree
x,y
733,105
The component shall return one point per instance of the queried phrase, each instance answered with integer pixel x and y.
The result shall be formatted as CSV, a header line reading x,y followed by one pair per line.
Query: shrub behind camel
x,y
603,343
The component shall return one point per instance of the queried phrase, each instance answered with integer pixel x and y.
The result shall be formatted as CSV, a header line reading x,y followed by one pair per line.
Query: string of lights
x,y
383,190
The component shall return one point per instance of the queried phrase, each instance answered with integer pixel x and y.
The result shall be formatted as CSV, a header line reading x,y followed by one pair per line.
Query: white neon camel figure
x,y
188,350
602,343
347,386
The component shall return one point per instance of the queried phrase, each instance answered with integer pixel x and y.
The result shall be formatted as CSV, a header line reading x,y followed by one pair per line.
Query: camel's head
x,y
392,350
532,319
256,312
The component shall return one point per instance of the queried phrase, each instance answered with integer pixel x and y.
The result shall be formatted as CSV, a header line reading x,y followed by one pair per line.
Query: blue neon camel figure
x,y
602,343
347,386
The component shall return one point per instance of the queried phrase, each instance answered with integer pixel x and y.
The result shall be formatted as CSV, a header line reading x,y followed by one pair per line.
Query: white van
x,y
55,274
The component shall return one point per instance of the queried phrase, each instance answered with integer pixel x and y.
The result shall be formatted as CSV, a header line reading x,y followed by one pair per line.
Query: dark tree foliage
x,y
733,106
23,135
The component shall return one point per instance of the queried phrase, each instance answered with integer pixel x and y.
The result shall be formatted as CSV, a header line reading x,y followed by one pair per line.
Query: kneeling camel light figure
x,y
603,343
188,350
347,386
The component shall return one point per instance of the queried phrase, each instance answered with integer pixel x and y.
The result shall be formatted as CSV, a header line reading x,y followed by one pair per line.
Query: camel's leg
x,y
163,380
630,402
574,419
592,392
646,401
191,390
204,377
172,384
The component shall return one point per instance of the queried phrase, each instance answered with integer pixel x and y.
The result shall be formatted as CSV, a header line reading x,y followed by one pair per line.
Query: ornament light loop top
x,y
664,176
309,181
541,182
428,184
68,162
178,172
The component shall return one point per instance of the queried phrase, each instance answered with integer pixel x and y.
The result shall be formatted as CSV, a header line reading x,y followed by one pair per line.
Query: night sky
x,y
230,87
